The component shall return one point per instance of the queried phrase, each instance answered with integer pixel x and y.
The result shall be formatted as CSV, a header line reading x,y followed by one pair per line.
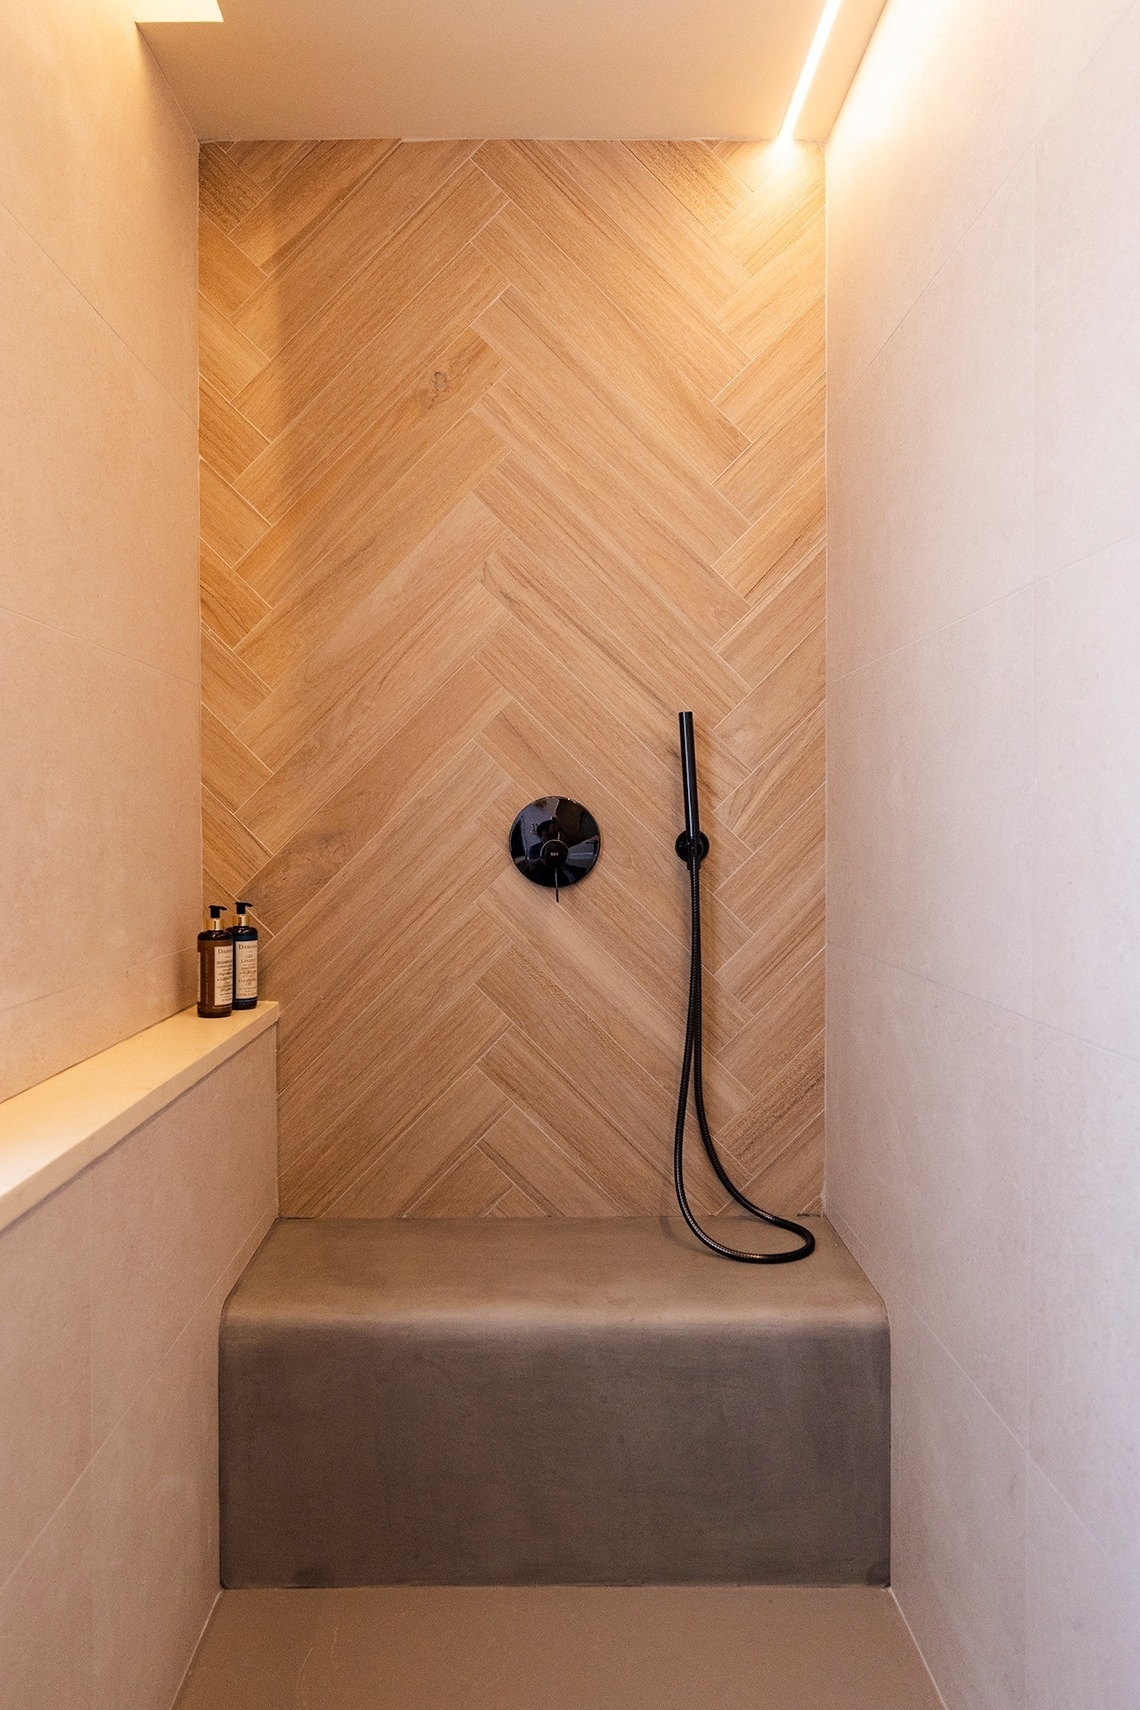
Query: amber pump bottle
x,y
215,966
245,959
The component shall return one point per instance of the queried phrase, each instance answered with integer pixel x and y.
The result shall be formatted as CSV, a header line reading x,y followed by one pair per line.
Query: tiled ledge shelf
x,y
54,1130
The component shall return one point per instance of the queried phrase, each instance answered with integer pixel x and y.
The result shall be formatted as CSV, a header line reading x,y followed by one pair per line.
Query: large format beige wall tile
x,y
169,1212
46,1609
1087,854
45,1366
99,166
112,1291
99,871
1088,283
958,1524
930,494
932,774
98,508
930,1097
1082,1612
98,469
940,111
930,806
1084,1359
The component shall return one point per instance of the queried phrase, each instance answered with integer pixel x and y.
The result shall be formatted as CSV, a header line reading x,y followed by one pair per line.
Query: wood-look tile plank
x,y
230,607
388,282
793,853
767,716
778,457
515,1203
266,162
781,782
551,197
226,359
460,1116
558,289
225,193
475,1186
778,623
229,688
426,389
663,229
396,997
787,535
226,441
787,363
695,174
330,753
230,527
787,191
317,599
300,200
458,1039
367,644
791,1182
383,903
349,818
305,282
230,852
555,588
780,292
536,1085
610,520
226,276
791,935
228,767
559,386
790,1098
551,1176
779,1032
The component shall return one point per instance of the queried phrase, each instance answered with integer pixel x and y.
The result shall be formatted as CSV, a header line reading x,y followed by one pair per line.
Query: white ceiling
x,y
508,68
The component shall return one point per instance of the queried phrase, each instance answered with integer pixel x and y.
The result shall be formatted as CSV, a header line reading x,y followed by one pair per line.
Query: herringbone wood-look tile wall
x,y
510,451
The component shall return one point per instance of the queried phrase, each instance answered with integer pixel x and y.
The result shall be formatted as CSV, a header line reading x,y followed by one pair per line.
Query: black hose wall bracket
x,y
684,844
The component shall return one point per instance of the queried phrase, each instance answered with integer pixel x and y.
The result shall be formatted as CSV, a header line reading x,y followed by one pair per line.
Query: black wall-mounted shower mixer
x,y
554,842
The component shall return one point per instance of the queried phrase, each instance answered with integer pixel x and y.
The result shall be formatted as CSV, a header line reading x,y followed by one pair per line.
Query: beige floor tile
x,y
559,1648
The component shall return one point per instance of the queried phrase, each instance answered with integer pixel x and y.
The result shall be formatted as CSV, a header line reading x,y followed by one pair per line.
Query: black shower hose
x,y
692,1070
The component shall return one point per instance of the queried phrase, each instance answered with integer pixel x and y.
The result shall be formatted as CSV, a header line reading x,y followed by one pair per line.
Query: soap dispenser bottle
x,y
215,966
245,959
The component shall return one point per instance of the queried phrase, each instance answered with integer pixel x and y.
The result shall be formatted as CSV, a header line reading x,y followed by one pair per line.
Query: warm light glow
x,y
811,66
178,12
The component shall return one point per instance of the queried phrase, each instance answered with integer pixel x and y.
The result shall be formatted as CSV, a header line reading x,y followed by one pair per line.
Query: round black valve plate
x,y
554,841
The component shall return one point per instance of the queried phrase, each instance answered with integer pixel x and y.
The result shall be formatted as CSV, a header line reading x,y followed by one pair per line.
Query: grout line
x,y
190,412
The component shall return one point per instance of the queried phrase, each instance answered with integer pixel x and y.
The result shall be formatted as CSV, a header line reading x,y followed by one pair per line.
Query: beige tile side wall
x,y
983,1083
112,1290
98,509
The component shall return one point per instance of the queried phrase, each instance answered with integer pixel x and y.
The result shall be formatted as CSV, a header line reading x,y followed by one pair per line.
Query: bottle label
x,y
245,971
223,957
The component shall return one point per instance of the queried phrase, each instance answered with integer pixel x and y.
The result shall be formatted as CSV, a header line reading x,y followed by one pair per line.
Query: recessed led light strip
x,y
178,12
811,66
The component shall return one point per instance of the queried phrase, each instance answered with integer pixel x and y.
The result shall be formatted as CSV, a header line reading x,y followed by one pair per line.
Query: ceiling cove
x,y
504,68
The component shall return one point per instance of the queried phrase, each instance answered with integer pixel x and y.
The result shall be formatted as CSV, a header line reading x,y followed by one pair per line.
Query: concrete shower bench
x,y
550,1401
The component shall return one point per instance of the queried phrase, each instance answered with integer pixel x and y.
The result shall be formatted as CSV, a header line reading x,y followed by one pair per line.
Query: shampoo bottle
x,y
245,960
215,967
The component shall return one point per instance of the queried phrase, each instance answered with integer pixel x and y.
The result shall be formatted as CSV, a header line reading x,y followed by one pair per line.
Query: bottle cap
x,y
216,911
242,908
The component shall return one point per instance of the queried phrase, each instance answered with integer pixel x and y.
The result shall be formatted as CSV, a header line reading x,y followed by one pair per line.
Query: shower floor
x,y
559,1648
